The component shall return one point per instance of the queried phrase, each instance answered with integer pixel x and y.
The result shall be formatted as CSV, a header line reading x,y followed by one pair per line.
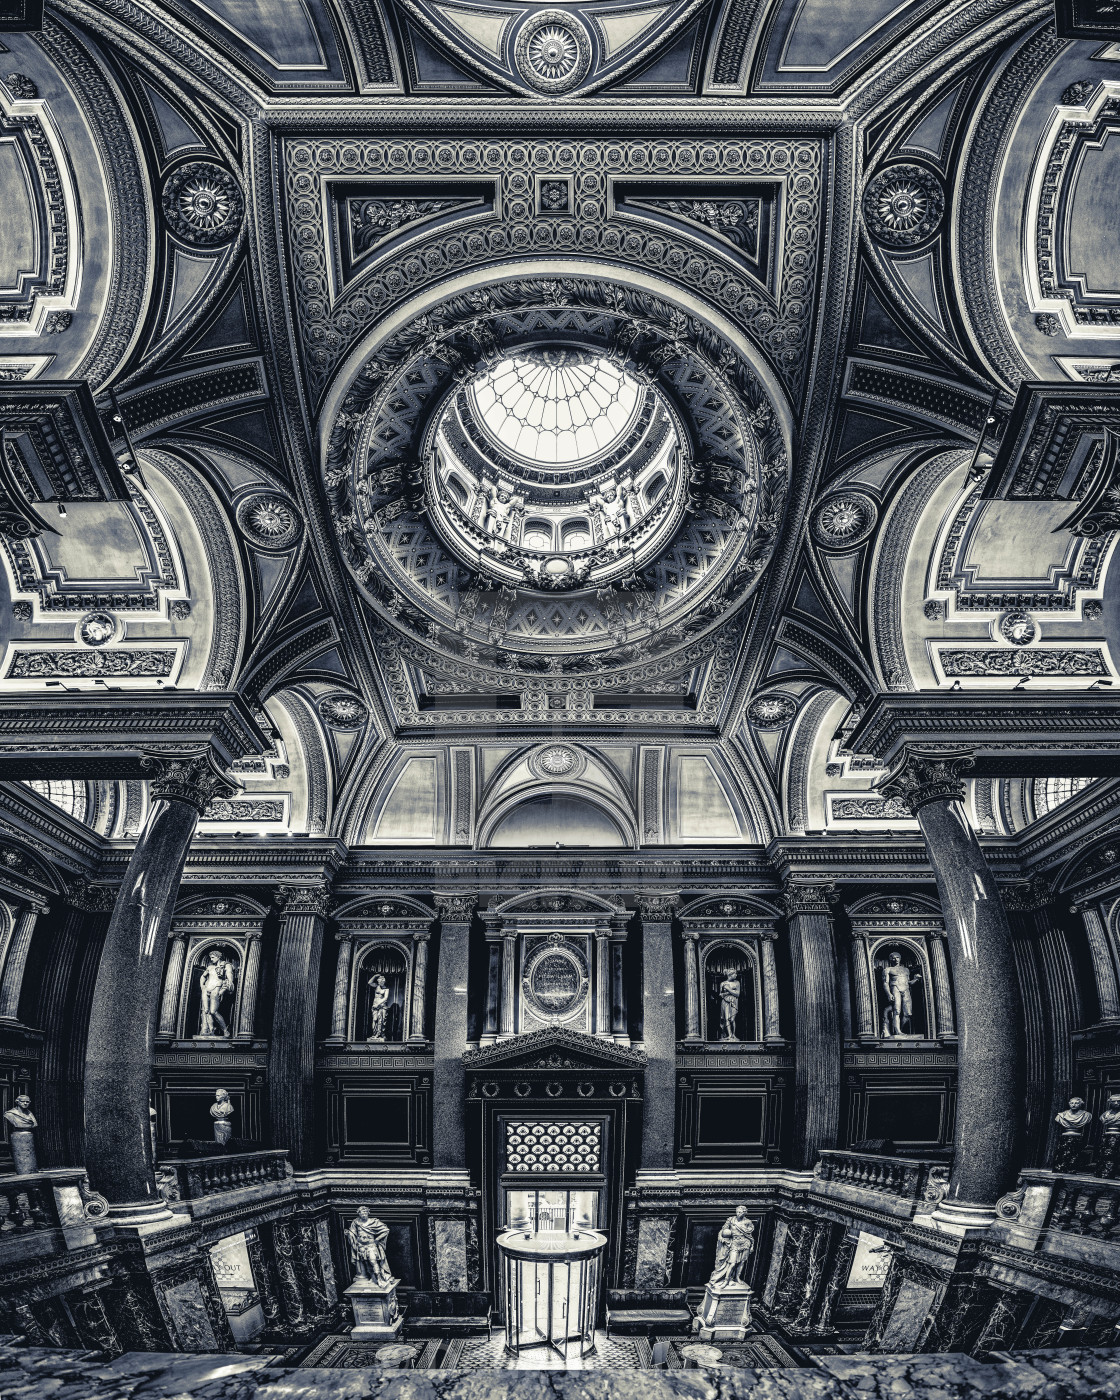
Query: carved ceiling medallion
x,y
203,204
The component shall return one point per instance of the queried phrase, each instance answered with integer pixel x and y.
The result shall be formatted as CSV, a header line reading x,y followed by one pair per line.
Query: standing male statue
x,y
217,979
729,990
733,1250
896,979
366,1236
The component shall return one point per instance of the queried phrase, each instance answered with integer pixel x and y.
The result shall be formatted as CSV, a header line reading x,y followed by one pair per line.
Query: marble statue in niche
x,y
21,1135
378,1006
366,1236
730,995
729,990
733,1250
221,1110
897,975
216,982
1074,1122
1110,1138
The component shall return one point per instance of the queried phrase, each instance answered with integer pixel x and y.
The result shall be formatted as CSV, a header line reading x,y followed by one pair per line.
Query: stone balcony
x,y
203,1186
898,1186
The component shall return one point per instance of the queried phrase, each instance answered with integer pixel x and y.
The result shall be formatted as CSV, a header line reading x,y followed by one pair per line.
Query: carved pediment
x,y
555,1049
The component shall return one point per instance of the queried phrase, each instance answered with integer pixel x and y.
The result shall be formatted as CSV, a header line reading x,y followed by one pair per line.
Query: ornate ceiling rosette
x,y
556,50
555,475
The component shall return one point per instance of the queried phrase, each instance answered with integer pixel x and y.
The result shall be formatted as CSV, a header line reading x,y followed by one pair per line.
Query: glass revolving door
x,y
550,1285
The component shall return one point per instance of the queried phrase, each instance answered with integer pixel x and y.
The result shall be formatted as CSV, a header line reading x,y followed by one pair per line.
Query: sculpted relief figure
x,y
733,1251
378,1007
366,1236
216,981
1074,1122
895,978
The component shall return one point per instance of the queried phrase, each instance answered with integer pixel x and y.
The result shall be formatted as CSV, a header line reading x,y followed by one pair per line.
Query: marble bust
x,y
1110,1137
1074,1122
221,1110
21,1135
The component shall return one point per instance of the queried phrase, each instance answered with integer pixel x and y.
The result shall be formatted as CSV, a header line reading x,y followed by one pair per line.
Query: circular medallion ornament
x,y
844,520
203,204
903,205
553,52
556,761
555,982
1018,628
97,628
342,711
269,520
771,711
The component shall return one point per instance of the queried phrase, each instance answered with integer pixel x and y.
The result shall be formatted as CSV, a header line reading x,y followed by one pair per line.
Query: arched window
x,y
655,487
576,534
537,534
64,793
1052,792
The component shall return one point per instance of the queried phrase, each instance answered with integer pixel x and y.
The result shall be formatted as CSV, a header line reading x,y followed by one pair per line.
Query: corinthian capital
x,y
454,907
657,906
194,778
921,775
803,898
312,898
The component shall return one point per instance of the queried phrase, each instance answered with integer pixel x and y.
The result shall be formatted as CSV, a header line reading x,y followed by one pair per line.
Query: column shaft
x,y
942,991
118,1145
15,963
247,1010
1104,971
448,1129
418,1020
770,1008
603,984
991,1054
659,1035
866,1028
341,989
509,985
619,1027
172,985
492,1020
691,986
1062,1016
817,1050
291,1058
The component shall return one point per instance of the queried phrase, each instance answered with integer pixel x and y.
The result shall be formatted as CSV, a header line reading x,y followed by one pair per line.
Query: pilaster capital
x,y
1032,894
455,907
193,778
657,906
34,906
690,935
799,897
253,935
344,935
304,899
920,775
421,935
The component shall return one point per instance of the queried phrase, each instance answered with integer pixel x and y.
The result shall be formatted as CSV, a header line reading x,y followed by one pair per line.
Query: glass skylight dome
x,y
556,407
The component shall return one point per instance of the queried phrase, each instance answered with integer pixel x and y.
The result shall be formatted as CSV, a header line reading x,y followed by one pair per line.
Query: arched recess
x,y
309,777
563,814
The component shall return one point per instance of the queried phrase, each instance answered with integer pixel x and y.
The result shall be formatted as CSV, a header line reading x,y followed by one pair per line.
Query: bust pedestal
x,y
377,1318
725,1313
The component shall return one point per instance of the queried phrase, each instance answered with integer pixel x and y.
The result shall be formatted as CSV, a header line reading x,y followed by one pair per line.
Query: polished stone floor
x,y
34,1373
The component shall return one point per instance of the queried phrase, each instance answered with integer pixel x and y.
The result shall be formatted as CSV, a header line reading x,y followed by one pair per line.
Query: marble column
x,y
492,1019
619,1028
509,984
866,1029
659,1034
61,1014
172,985
264,1278
118,1144
247,1008
770,1006
340,1001
942,989
291,1057
991,1053
817,1040
691,941
418,1017
1104,969
449,1147
15,960
603,984
836,1281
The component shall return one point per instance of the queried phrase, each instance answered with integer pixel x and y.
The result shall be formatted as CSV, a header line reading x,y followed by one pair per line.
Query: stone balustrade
x,y
906,1182
46,1212
1065,1213
195,1178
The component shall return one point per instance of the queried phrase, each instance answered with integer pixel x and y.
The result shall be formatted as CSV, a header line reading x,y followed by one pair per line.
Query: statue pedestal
x,y
725,1313
377,1318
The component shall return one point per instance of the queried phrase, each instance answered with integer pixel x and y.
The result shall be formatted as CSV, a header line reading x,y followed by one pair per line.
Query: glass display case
x,y
550,1284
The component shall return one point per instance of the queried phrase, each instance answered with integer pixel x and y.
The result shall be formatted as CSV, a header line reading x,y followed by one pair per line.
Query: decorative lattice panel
x,y
553,1146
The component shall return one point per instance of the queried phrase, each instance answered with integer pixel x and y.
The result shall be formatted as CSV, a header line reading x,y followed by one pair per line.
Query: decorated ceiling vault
x,y
560,460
